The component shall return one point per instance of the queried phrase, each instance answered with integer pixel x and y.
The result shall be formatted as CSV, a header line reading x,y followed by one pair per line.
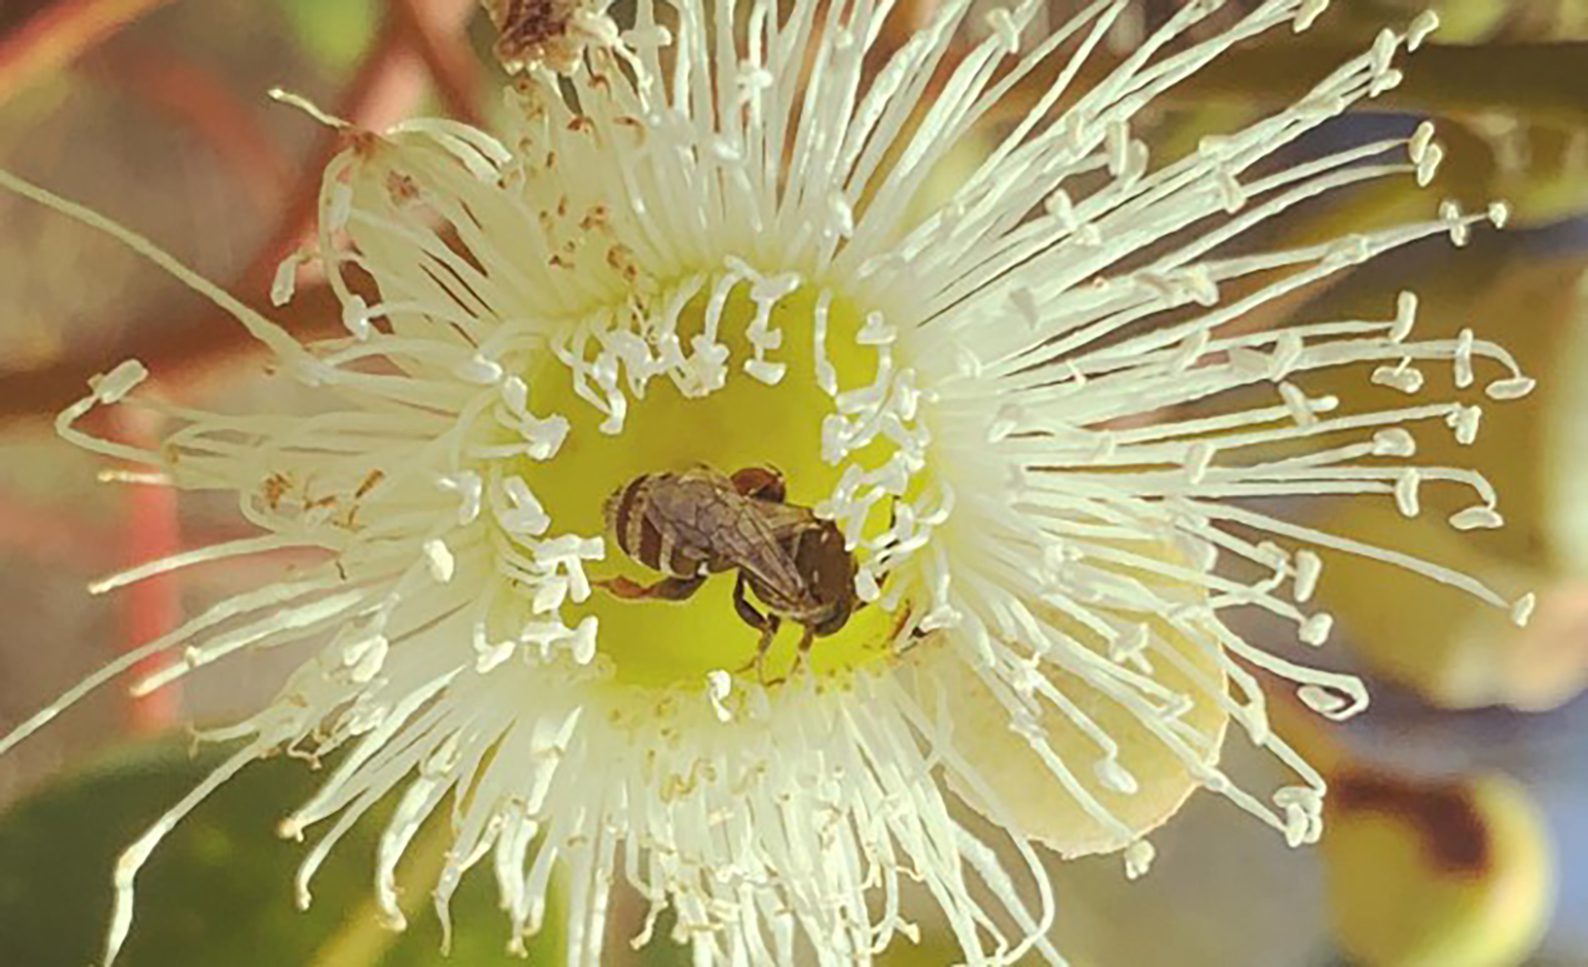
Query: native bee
x,y
700,522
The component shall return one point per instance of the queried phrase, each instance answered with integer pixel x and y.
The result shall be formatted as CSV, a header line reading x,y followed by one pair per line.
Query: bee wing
x,y
786,520
759,549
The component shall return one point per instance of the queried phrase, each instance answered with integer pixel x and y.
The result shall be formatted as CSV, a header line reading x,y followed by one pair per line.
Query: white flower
x,y
1024,411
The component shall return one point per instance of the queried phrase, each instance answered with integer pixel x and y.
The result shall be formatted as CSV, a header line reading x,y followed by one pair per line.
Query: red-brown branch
x,y
178,341
59,33
391,79
197,100
151,607
434,30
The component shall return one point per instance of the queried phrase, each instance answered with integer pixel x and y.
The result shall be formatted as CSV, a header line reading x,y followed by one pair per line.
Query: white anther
x,y
1394,442
1115,777
1232,195
1308,567
439,559
365,657
583,647
876,331
1059,205
478,369
1382,54
1315,630
115,385
1464,420
1003,26
719,684
488,657
1138,859
1400,377
470,489
1428,165
1421,26
1421,139
285,283
1479,517
1405,316
1522,610
1297,403
1463,359
355,318
1324,701
843,215
1513,388
766,371
527,515
515,393
866,587
1308,14
1406,490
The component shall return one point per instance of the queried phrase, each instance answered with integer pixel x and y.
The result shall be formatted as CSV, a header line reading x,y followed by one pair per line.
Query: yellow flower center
x,y
745,423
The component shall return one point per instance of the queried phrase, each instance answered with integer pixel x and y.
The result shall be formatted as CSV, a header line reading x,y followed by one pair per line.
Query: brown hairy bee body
x,y
700,522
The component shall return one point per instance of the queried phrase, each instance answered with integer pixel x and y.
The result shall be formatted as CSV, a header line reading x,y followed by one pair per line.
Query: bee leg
x,y
667,589
803,654
768,632
767,624
765,645
741,604
762,483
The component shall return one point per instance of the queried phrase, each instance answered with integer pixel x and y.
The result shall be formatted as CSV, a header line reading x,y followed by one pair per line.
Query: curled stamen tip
x,y
112,387
1422,25
1308,14
1481,517
1138,859
283,96
1522,610
1420,141
1510,389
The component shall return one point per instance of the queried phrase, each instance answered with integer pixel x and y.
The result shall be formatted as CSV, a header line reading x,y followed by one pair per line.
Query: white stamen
x,y
439,559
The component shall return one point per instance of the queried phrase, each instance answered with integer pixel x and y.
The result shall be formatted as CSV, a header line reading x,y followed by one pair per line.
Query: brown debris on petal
x,y
549,33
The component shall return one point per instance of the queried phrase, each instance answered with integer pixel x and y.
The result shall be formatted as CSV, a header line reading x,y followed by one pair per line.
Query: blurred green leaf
x,y
219,889
335,32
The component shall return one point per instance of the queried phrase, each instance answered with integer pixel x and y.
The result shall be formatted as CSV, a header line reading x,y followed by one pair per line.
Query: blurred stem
x,y
436,34
53,537
59,33
167,82
364,938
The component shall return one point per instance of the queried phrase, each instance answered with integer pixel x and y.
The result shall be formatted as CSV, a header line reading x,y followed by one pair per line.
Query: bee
x,y
700,522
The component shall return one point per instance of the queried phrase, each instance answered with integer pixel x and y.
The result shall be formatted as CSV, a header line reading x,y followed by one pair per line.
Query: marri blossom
x,y
1030,408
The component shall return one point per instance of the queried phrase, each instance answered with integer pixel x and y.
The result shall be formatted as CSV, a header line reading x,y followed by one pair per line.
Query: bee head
x,y
835,616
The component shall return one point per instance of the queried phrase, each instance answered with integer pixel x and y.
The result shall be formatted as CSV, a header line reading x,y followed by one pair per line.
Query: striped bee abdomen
x,y
643,530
